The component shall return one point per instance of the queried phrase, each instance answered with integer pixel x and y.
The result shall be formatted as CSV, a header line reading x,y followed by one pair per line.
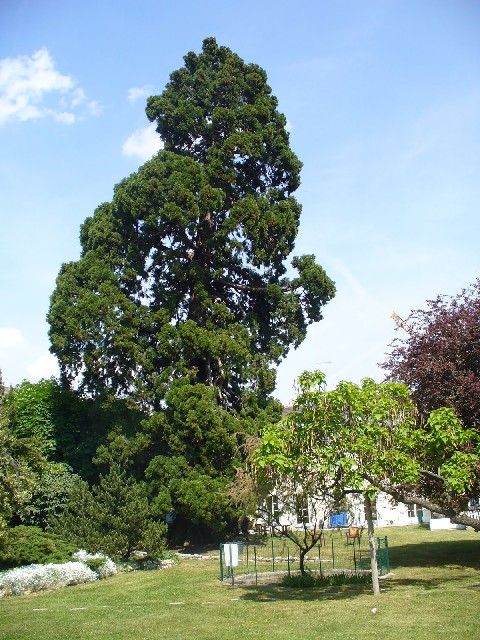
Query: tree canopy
x,y
439,358
183,274
366,437
182,298
21,465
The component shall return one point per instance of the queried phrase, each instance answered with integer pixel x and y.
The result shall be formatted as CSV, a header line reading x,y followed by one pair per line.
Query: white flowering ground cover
x,y
108,568
40,577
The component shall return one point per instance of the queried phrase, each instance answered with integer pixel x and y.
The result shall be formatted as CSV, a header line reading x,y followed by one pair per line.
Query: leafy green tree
x,y
363,438
46,431
67,426
21,464
32,413
83,425
354,434
183,278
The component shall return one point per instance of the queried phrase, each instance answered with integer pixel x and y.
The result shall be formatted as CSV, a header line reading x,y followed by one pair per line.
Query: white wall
x,y
444,523
389,513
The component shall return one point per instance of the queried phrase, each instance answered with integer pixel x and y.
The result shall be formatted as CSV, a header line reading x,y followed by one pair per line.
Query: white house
x,y
386,513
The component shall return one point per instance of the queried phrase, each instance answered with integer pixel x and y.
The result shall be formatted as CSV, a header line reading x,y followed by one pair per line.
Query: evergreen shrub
x,y
30,545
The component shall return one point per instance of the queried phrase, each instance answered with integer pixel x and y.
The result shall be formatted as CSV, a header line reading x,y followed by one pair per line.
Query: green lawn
x,y
434,592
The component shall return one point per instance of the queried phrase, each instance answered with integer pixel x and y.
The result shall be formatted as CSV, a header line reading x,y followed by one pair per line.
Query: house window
x,y
411,510
302,510
272,508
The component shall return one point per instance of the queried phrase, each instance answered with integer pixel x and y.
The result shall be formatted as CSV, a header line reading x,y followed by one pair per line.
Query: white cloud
x,y
143,143
22,359
29,88
44,367
95,108
64,117
77,97
12,348
136,93
10,338
356,288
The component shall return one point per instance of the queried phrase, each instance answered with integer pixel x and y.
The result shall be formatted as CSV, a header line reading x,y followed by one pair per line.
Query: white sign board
x,y
231,554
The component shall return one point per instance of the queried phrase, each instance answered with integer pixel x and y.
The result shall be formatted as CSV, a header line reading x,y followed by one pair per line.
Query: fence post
x,y
273,559
354,558
247,558
379,556
333,556
387,555
221,562
288,561
255,561
231,564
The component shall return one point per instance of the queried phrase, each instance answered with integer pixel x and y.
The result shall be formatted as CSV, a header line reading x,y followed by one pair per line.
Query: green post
x,y
221,563
320,559
247,558
255,562
231,564
273,559
387,555
333,556
354,558
379,556
288,561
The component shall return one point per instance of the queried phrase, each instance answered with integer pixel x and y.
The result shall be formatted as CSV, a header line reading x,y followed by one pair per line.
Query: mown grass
x,y
434,592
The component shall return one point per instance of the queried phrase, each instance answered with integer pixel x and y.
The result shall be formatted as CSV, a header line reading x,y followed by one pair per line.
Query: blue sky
x,y
382,98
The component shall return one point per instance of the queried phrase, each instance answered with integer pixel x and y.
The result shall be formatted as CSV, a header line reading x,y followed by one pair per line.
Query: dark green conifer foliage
x,y
183,276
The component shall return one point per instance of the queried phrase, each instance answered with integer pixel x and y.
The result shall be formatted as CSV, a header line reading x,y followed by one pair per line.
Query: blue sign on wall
x,y
338,520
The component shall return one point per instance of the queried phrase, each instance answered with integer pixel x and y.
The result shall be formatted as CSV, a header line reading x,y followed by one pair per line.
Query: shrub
x,y
95,563
339,579
308,580
153,539
299,581
114,515
49,497
30,545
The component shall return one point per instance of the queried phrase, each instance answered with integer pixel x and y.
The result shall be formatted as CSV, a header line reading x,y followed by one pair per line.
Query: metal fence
x,y
268,559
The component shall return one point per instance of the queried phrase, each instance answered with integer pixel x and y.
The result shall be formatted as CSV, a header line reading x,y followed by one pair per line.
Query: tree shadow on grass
x,y
464,553
269,593
428,584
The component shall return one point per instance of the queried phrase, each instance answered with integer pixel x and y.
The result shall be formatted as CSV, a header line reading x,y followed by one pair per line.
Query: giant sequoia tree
x,y
182,283
183,273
